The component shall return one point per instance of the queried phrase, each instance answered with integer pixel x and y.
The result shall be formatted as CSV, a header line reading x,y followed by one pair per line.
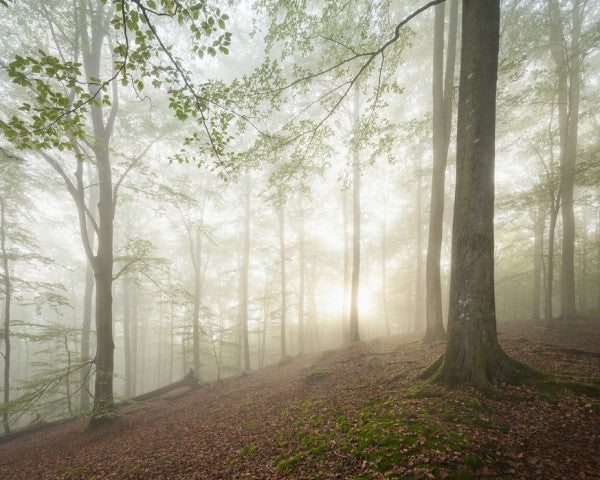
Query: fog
x,y
244,194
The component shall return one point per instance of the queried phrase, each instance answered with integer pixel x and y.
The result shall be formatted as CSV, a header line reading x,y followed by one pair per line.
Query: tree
x,y
443,95
567,58
473,354
281,220
353,334
244,271
60,104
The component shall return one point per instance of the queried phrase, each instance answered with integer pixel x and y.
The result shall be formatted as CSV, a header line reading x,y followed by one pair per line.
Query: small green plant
x,y
248,450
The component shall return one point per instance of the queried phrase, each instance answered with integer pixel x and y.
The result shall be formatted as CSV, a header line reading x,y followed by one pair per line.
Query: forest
x,y
293,239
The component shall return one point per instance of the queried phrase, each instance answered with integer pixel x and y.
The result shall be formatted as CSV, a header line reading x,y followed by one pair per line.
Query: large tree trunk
x,y
103,273
568,66
244,278
7,299
443,95
473,354
281,218
353,335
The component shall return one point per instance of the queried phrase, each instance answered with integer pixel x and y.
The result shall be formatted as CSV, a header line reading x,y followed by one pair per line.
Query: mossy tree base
x,y
484,370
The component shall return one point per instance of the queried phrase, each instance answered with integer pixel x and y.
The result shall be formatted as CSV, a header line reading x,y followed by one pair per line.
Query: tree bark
x,y
443,96
281,218
346,280
384,302
301,287
568,66
419,248
473,354
548,307
127,336
84,376
7,300
538,233
197,264
244,276
353,333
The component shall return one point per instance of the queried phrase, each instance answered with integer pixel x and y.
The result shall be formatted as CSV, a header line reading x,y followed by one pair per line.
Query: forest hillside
x,y
348,413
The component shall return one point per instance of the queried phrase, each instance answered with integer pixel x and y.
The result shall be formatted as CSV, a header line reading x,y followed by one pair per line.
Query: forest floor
x,y
353,413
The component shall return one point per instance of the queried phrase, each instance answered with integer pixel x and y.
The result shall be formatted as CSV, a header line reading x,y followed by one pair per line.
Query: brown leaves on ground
x,y
352,413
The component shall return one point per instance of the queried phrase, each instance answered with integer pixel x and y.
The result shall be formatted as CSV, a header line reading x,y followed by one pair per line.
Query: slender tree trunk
x,y
568,66
353,332
86,327
244,277
315,343
443,96
384,302
473,354
265,317
302,279
7,299
346,286
68,376
538,232
197,264
281,217
548,308
419,247
127,336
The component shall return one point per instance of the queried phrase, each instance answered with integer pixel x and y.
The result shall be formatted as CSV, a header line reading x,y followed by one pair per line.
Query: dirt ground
x,y
353,413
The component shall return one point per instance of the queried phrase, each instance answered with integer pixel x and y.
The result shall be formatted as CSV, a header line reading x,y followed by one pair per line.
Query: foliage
x,y
61,93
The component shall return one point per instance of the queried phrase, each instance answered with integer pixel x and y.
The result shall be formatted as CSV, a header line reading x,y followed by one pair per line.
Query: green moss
x,y
248,450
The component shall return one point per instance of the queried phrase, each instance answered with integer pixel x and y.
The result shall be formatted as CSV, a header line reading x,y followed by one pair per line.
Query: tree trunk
x,y
443,96
384,303
353,332
6,330
419,248
538,232
127,336
548,309
84,373
302,279
281,218
197,264
244,277
103,396
473,354
346,286
568,66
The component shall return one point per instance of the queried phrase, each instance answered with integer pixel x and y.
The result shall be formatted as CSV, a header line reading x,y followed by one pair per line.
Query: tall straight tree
x,y
473,354
567,59
281,221
353,335
7,287
301,288
244,273
443,94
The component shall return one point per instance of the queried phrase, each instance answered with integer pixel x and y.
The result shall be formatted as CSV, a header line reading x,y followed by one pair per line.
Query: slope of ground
x,y
352,413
